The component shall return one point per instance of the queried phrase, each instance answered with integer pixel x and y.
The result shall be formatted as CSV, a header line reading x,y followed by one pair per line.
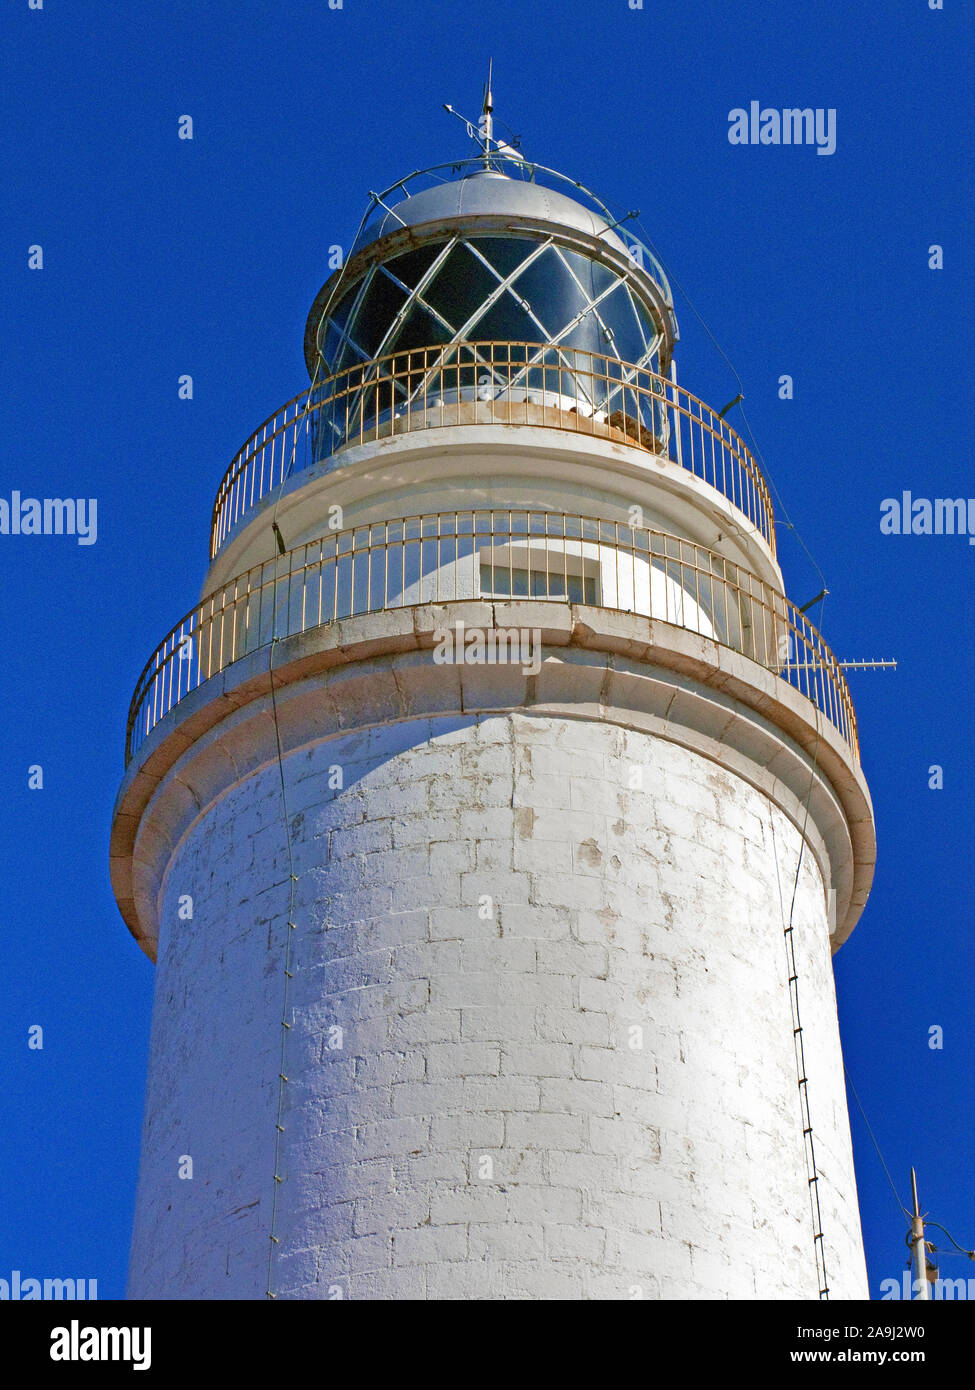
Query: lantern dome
x,y
489,252
488,192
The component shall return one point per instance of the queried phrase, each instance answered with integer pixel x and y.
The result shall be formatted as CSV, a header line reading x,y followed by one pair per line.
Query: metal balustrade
x,y
489,554
484,383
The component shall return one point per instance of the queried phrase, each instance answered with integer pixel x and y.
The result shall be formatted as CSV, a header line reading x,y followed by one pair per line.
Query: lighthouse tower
x,y
493,814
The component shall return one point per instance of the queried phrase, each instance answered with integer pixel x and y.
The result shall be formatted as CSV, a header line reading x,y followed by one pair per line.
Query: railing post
x,y
677,416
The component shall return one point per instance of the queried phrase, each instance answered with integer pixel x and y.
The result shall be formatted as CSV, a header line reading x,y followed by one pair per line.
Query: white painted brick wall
x,y
672,1170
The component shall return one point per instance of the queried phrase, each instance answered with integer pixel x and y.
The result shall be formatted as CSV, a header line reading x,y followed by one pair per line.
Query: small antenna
x,y
817,664
868,665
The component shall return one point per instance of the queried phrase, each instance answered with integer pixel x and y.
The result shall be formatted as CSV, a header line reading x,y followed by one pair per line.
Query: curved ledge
x,y
363,479
378,668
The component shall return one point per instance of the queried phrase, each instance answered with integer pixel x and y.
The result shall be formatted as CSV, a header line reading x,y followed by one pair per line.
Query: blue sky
x,y
164,257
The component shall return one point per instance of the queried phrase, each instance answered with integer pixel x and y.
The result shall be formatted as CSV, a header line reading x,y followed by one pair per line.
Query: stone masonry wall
x,y
565,1070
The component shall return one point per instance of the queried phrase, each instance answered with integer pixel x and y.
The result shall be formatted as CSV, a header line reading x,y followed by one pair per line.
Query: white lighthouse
x,y
493,814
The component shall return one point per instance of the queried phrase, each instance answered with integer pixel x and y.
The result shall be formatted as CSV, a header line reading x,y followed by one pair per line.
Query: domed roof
x,y
492,249
488,193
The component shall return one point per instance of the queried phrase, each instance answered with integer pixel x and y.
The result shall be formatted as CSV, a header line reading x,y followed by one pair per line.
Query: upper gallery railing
x,y
491,554
493,383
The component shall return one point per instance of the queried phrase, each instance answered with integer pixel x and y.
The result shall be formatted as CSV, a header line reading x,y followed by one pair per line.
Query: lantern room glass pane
x,y
383,301
420,329
504,253
616,312
506,320
413,265
650,330
544,298
593,277
459,286
553,295
587,336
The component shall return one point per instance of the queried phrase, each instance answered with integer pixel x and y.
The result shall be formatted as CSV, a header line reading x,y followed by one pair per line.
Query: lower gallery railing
x,y
491,554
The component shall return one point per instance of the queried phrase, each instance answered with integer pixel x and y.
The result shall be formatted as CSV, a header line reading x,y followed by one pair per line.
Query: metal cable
x,y
873,1140
959,1249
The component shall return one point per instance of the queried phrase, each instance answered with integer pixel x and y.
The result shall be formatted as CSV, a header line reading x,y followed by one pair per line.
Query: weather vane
x,y
483,133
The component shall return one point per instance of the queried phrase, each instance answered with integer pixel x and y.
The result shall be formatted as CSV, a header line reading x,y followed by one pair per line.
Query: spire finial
x,y
487,111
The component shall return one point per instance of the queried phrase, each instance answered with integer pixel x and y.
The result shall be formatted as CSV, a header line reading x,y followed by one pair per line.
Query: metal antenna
x,y
868,665
820,665
918,1257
